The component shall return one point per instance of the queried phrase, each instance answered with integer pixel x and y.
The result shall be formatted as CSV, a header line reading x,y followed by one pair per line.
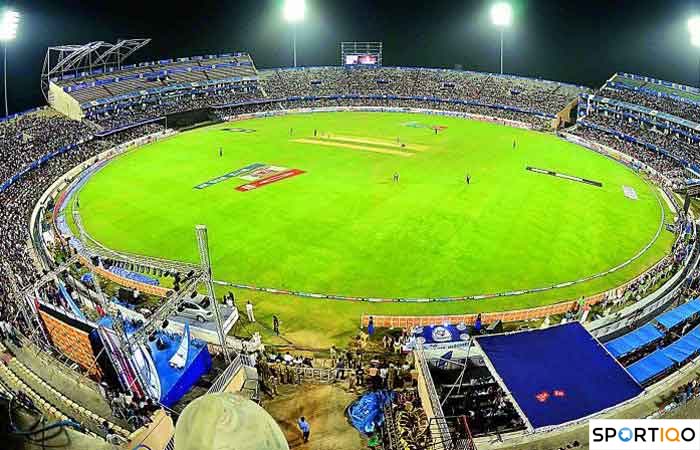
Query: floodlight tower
x,y
502,17
294,13
694,30
8,31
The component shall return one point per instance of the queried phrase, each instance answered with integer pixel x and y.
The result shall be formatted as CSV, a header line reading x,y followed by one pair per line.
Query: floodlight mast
x,y
294,13
8,31
501,17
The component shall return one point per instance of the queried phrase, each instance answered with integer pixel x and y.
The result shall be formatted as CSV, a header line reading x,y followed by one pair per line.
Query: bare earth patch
x,y
324,407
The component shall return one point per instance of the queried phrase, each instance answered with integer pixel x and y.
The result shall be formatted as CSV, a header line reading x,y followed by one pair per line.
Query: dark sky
x,y
580,41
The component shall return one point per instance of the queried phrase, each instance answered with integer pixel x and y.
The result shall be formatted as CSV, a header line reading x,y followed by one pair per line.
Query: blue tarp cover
x,y
367,413
631,342
679,315
650,366
683,348
558,374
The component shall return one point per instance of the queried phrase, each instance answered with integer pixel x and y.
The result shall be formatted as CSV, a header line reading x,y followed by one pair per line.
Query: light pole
x,y
694,29
294,13
8,31
501,16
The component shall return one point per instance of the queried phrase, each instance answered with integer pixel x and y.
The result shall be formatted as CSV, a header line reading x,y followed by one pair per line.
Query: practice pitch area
x,y
310,203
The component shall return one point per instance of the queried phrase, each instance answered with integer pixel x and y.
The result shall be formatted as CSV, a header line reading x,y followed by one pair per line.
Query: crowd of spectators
x,y
158,106
27,138
488,90
529,94
670,168
682,108
535,121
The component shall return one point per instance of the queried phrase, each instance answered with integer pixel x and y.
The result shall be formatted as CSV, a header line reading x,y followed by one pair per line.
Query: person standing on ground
x,y
469,179
276,325
305,429
370,326
249,312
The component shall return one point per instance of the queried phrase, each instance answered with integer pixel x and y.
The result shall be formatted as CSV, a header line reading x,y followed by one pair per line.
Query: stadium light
x,y
294,13
8,31
502,17
694,29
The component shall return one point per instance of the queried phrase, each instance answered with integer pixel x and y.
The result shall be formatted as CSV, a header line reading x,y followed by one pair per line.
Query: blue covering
x,y
175,383
631,342
135,276
558,374
679,315
367,413
684,348
650,366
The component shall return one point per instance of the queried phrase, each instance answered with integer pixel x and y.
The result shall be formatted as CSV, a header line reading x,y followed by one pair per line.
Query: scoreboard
x,y
361,53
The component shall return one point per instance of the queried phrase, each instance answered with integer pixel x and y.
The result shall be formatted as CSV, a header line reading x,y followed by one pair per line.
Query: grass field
x,y
343,227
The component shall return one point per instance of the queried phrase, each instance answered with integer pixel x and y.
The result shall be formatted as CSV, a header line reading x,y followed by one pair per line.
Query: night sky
x,y
581,41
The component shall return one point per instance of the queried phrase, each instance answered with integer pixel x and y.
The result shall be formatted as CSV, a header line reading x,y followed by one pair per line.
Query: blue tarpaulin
x,y
679,315
650,366
558,374
684,348
367,413
631,342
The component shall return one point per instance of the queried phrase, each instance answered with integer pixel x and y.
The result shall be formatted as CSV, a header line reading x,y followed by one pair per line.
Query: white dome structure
x,y
227,421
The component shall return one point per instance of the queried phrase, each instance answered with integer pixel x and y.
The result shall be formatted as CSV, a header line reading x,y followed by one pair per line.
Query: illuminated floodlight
x,y
8,25
502,14
694,29
694,25
695,40
294,10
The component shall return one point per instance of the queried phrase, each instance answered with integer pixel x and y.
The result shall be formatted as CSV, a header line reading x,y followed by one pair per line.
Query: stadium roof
x,y
557,375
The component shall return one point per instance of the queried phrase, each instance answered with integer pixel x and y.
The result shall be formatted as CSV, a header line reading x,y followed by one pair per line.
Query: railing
x,y
225,378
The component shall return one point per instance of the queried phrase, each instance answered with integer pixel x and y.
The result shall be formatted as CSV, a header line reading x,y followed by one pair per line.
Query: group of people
x,y
671,169
679,107
280,368
543,96
26,139
438,88
135,412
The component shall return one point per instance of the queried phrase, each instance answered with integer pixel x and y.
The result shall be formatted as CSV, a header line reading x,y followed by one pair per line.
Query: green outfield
x,y
345,227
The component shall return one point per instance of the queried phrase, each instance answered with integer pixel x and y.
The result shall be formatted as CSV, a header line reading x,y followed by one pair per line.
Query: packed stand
x,y
685,109
158,106
671,169
529,94
27,138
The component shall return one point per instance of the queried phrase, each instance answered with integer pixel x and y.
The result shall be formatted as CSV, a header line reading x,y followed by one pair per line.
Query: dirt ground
x,y
324,407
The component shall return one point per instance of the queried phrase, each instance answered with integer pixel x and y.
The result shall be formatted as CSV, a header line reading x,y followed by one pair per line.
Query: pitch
x,y
343,225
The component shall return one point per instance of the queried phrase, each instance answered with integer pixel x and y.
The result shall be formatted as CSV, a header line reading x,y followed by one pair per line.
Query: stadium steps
x,y
48,399
61,378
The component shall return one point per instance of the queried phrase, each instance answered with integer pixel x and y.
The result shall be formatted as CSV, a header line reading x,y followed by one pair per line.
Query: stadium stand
x,y
39,147
183,72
